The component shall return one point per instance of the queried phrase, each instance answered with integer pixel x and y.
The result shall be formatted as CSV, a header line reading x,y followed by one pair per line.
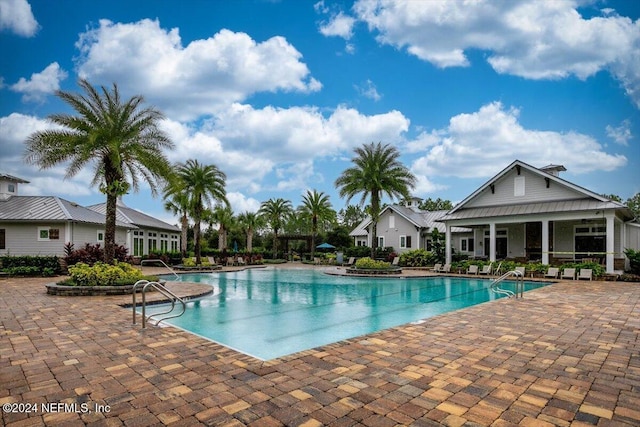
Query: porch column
x,y
610,240
447,243
492,241
545,242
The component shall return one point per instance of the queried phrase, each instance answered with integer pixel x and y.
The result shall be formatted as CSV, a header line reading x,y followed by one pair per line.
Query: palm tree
x,y
250,222
120,139
317,207
177,202
204,184
223,216
275,212
376,172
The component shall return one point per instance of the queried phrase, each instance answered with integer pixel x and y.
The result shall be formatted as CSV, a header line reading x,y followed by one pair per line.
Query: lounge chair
x,y
521,270
473,269
437,267
351,261
498,269
395,261
552,272
446,268
211,260
585,273
568,273
241,261
316,260
486,269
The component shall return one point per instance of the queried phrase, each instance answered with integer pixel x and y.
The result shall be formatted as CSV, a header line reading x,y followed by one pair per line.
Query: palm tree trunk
x,y
314,230
249,240
221,244
183,237
110,228
275,243
196,239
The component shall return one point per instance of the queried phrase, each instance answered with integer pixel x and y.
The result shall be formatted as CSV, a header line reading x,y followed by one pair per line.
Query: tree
x,y
120,139
177,202
436,205
351,216
633,203
249,222
275,212
204,184
317,207
376,172
223,216
613,197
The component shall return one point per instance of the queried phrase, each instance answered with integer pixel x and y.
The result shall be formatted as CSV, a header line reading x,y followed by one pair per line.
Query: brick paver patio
x,y
567,354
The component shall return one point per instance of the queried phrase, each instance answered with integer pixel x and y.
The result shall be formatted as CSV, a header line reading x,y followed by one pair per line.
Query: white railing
x,y
519,276
164,291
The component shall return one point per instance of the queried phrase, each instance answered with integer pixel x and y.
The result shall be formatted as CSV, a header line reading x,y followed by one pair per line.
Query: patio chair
x,y
351,261
316,260
521,270
585,273
486,269
552,272
473,269
446,268
212,260
241,261
395,261
568,273
437,267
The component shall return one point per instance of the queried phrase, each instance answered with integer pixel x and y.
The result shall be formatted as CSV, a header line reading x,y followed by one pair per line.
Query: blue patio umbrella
x,y
325,246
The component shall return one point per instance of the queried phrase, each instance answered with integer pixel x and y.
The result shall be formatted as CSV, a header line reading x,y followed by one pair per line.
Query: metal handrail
x,y
164,291
161,262
519,284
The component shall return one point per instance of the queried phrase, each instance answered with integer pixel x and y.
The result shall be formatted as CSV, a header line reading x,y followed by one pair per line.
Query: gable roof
x,y
49,208
589,200
420,219
132,216
7,177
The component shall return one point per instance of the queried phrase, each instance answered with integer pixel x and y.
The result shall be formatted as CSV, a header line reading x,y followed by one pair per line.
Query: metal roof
x,y
132,216
422,219
531,208
8,177
50,208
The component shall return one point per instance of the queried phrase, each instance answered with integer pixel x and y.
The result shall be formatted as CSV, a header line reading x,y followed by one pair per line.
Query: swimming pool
x,y
273,312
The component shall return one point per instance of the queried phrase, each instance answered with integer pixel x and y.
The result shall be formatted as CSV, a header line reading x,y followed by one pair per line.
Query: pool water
x,y
273,312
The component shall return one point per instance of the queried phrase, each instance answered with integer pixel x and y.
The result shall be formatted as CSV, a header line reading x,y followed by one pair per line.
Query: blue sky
x,y
277,94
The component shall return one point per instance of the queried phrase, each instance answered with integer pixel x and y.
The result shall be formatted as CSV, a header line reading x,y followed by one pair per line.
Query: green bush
x,y
368,263
634,260
101,274
30,265
417,258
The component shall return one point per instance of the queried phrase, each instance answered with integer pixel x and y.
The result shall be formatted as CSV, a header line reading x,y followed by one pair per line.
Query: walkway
x,y
567,354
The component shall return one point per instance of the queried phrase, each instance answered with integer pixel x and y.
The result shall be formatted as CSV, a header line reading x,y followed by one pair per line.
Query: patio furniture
x,y
351,261
473,269
552,272
446,268
486,269
521,270
568,273
437,267
585,273
395,261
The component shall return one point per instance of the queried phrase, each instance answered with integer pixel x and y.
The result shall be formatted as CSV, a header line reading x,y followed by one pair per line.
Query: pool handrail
x,y
164,291
519,284
161,262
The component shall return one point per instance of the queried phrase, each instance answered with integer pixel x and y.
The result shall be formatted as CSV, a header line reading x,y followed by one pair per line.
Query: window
x,y
381,241
138,243
3,244
405,242
392,221
11,188
590,240
153,241
100,236
46,233
466,244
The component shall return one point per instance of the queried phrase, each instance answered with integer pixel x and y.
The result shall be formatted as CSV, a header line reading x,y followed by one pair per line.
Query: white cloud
x,y
532,39
16,16
14,131
189,81
40,84
241,203
340,25
475,144
368,90
620,134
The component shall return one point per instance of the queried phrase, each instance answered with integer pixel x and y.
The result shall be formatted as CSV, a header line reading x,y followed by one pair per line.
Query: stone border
x,y
372,271
84,291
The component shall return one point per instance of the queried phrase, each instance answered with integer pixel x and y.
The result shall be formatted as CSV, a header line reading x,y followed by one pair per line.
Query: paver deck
x,y
566,354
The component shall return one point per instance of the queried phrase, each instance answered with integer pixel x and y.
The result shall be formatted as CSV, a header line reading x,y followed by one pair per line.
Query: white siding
x,y
535,190
22,239
392,235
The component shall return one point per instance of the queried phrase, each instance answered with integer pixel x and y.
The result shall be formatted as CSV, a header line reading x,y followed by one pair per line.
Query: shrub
x,y
30,265
101,274
417,258
90,254
368,263
634,260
